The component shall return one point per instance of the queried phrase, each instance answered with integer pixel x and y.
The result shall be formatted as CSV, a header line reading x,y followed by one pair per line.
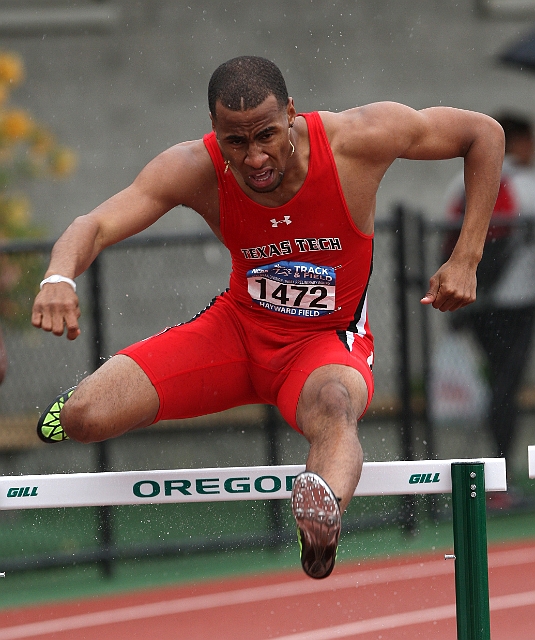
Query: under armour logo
x,y
275,223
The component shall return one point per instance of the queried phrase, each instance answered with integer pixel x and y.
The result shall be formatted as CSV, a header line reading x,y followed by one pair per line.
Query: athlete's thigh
x,y
116,398
199,367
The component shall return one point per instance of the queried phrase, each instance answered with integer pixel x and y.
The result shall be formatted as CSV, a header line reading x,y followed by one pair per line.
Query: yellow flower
x,y
15,124
42,141
16,211
11,68
27,151
63,161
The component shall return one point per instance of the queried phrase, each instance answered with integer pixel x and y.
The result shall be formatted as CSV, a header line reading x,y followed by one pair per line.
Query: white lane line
x,y
256,594
397,620
376,624
228,598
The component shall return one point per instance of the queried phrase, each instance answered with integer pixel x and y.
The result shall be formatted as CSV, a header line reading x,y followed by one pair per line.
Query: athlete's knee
x,y
339,394
78,419
333,399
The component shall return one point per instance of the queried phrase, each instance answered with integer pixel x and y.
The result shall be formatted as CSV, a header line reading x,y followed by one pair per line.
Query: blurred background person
x,y
502,318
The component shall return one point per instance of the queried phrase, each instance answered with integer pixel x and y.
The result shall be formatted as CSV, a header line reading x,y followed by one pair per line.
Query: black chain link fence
x,y
142,285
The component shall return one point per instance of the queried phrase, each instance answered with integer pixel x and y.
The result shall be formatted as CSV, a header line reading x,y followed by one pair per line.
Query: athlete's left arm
x,y
371,137
441,133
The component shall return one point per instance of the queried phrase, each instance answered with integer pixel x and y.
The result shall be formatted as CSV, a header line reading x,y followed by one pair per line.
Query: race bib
x,y
293,288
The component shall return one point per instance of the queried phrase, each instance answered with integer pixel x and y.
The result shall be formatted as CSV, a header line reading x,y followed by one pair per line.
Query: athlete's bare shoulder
x,y
183,174
378,131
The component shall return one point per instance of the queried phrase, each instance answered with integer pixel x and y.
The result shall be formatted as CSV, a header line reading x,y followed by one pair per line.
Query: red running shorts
x,y
223,359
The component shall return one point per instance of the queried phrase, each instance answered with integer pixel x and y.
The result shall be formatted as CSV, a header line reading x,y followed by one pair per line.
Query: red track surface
x,y
384,600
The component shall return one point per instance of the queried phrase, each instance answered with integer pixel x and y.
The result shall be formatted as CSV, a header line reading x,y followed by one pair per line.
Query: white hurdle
x,y
228,484
467,481
531,461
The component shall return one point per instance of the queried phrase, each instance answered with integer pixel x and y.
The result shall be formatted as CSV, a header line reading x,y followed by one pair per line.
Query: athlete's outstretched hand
x,y
453,286
56,308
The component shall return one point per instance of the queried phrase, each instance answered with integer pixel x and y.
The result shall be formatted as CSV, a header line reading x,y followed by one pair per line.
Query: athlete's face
x,y
256,142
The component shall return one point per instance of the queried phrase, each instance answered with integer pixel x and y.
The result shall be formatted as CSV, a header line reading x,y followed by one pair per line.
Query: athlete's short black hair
x,y
245,82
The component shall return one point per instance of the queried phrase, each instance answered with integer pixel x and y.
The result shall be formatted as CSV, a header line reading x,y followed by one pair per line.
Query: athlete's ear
x,y
212,121
291,112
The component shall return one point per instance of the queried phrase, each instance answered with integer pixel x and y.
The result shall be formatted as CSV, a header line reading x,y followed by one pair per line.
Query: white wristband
x,y
55,279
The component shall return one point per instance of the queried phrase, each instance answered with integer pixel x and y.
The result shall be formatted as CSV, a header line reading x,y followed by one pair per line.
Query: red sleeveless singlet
x,y
303,265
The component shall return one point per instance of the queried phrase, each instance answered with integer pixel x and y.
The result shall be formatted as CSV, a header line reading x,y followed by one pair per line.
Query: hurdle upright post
x,y
470,548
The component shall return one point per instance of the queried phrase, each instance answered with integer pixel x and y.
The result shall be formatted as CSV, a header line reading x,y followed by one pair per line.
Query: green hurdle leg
x,y
470,548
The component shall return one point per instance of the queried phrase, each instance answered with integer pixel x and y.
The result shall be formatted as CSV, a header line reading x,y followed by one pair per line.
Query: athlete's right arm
x,y
174,177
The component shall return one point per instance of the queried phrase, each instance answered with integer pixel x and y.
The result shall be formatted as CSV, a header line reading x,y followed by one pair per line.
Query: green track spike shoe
x,y
49,428
317,513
